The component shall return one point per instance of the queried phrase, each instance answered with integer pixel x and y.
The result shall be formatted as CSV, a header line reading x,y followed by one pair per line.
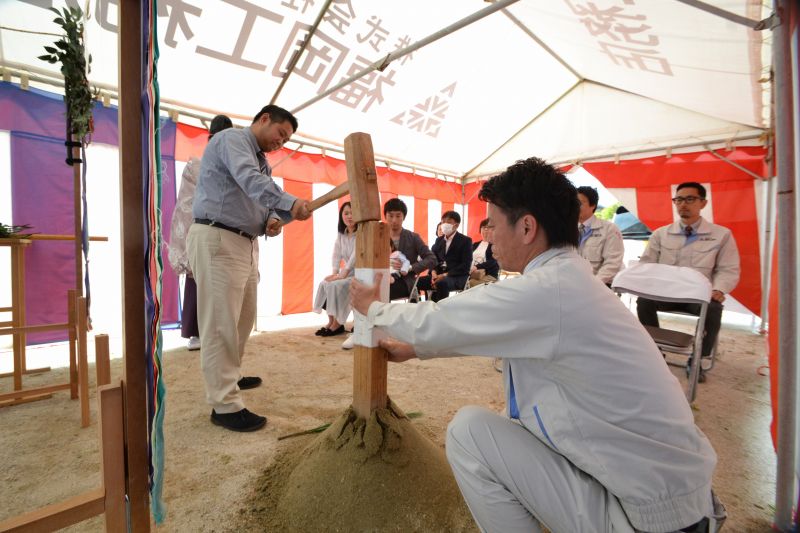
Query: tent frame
x,y
784,65
784,62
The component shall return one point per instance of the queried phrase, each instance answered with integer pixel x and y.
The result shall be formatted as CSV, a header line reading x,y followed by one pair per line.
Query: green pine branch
x,y
71,53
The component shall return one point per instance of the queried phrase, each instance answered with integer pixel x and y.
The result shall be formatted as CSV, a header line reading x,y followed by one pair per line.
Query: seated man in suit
x,y
599,241
696,243
454,252
484,266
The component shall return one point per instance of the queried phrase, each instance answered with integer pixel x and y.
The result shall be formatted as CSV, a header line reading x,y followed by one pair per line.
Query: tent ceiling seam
x,y
523,128
541,43
607,86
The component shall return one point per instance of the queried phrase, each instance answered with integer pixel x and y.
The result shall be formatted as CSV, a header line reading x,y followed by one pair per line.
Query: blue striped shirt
x,y
235,185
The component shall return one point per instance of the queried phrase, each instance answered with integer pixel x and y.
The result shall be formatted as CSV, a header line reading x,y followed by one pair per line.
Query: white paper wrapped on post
x,y
364,334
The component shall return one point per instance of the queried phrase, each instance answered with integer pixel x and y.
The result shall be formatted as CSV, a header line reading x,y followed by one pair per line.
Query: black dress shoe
x,y
321,331
242,420
332,332
250,382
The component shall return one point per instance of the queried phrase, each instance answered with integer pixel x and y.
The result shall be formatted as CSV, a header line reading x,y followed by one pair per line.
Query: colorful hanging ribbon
x,y
156,390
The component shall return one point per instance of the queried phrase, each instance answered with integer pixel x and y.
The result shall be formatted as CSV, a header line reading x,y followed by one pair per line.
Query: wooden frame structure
x,y
76,326
123,407
108,499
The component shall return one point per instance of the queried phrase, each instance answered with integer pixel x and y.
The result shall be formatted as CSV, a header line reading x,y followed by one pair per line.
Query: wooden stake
x,y
101,360
83,362
372,252
73,339
77,210
18,305
369,363
131,81
112,446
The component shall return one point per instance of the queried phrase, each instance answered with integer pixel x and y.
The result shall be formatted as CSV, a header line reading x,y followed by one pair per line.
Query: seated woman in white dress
x,y
333,293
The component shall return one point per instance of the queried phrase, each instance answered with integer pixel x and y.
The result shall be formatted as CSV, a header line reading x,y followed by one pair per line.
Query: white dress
x,y
335,295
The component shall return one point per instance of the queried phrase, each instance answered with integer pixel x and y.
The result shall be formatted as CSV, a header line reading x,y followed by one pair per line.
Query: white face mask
x,y
447,228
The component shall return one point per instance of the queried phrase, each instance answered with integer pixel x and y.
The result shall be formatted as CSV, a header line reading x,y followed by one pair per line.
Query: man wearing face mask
x,y
454,252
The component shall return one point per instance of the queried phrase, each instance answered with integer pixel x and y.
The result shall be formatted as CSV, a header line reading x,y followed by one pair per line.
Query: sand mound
x,y
379,474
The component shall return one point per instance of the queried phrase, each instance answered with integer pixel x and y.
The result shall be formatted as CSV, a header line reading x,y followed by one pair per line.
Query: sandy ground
x,y
211,473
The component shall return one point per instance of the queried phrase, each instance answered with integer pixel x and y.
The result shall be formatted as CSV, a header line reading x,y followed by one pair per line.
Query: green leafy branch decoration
x,y
71,53
14,232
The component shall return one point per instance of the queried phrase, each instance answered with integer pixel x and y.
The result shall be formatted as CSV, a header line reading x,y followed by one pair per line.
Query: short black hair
x,y
395,204
342,225
484,223
591,195
531,186
700,188
452,214
276,114
219,123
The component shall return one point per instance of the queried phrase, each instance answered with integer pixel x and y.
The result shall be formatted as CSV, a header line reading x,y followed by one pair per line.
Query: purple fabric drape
x,y
42,196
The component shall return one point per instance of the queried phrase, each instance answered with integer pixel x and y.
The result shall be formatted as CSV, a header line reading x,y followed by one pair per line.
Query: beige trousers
x,y
225,267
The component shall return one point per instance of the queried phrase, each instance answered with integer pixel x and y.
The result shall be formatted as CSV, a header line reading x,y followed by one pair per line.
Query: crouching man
x,y
598,434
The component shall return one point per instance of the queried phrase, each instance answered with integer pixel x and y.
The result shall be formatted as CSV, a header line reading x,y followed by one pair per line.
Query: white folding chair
x,y
414,295
667,283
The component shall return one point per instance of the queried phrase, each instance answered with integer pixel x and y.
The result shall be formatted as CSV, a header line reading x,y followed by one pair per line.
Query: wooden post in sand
x,y
372,255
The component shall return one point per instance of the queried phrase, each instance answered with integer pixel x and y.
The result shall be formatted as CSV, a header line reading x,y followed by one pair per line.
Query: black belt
x,y
699,527
220,225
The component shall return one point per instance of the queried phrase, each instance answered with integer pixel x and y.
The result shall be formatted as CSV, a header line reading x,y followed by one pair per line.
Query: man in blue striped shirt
x,y
236,201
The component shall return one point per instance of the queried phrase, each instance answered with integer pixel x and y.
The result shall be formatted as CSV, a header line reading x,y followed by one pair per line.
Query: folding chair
x,y
667,283
414,295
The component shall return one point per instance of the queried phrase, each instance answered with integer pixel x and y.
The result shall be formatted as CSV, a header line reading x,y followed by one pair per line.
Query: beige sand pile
x,y
379,474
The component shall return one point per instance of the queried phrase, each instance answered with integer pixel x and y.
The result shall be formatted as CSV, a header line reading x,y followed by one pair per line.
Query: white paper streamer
x,y
363,334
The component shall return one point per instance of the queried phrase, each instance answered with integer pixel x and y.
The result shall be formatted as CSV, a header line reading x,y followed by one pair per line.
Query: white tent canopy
x,y
564,80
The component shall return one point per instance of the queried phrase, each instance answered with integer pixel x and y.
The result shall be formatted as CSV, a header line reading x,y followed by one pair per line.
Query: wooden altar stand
x,y
77,329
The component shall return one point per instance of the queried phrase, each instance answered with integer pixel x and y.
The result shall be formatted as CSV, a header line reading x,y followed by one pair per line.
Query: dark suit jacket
x,y
418,254
490,265
458,256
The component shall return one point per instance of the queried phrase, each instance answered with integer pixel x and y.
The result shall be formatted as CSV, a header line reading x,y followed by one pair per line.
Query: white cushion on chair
x,y
663,282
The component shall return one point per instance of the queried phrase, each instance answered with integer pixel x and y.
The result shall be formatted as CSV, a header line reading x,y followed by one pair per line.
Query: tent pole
x,y
766,257
787,259
734,164
298,53
577,160
382,63
727,15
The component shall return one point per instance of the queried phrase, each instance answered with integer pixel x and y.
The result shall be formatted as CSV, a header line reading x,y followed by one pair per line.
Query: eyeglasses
x,y
685,199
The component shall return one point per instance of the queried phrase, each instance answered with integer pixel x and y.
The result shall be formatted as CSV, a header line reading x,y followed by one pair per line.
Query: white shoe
x,y
194,344
348,343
